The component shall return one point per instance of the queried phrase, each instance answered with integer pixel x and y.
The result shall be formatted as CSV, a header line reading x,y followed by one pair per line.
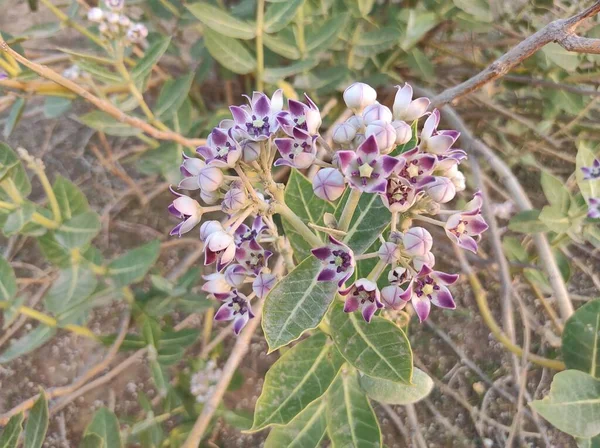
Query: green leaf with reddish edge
x,y
299,377
297,303
379,348
351,421
581,339
306,430
390,392
573,404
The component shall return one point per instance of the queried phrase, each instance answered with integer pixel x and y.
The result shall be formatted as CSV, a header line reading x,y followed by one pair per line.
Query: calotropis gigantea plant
x,y
356,236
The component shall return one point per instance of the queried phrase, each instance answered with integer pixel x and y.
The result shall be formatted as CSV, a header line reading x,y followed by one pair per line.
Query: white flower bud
x,y
356,121
95,15
235,199
328,184
235,275
359,95
390,296
343,133
250,150
215,284
377,112
358,140
112,18
427,259
389,252
441,190
417,241
384,134
210,178
403,132
459,181
124,21
208,228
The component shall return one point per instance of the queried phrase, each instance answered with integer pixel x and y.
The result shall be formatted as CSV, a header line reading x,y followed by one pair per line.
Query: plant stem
x,y
260,57
349,208
66,20
7,205
366,256
300,36
435,222
298,224
376,271
11,190
39,170
40,219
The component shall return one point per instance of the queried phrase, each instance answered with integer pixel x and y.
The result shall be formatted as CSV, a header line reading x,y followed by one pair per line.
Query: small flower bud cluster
x,y
115,25
204,382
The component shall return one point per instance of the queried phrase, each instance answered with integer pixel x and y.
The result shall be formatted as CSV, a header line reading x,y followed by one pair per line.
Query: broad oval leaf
x,y
390,392
296,304
594,442
282,46
55,106
573,404
14,116
17,219
101,121
105,425
527,221
555,191
230,53
378,41
92,441
73,285
25,344
581,339
296,379
71,200
306,430
8,160
325,35
351,421
132,266
273,75
222,22
172,95
300,198
279,15
8,281
78,231
151,57
379,348
37,423
12,431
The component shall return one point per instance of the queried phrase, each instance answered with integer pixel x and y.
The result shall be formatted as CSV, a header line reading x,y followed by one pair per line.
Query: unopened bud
x,y
441,190
343,133
403,132
377,112
210,178
417,241
95,15
329,184
359,95
384,134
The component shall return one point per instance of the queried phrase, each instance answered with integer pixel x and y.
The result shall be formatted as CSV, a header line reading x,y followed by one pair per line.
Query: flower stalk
x,y
349,209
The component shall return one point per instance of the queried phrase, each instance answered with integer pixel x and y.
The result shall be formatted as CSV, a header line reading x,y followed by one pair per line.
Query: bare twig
x,y
414,426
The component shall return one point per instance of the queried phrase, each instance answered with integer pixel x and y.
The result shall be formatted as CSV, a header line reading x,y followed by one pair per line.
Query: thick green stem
x,y
260,56
300,35
298,224
349,209
377,271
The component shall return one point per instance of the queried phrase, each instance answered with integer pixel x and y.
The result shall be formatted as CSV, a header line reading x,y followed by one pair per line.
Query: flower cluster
x,y
204,382
592,174
373,155
113,24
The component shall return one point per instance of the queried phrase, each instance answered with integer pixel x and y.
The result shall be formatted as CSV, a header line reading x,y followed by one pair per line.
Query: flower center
x,y
413,170
427,289
365,170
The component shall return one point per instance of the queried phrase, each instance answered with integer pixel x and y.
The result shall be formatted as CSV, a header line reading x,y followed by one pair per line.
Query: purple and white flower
x,y
434,141
298,152
186,209
363,294
593,208
137,33
465,228
221,149
263,283
391,296
216,283
258,121
199,175
398,275
244,233
366,169
400,194
592,172
252,256
235,274
416,167
300,115
384,134
407,109
114,5
430,287
417,241
358,96
236,307
219,244
328,184
337,260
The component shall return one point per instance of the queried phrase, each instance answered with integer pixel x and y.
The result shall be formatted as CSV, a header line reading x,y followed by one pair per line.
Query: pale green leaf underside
x,y
379,348
229,52
573,404
351,421
297,303
133,265
27,343
221,22
298,378
106,426
390,392
306,430
581,339
74,285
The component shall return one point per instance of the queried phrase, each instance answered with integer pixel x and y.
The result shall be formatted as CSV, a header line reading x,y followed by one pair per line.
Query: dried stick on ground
x,y
104,106
561,31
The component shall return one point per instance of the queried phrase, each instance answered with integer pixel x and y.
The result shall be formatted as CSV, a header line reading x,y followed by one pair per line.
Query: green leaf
x,y
99,72
282,46
581,339
133,266
14,116
296,379
279,15
17,219
273,75
103,122
514,250
378,41
573,404
106,426
420,63
379,348
152,55
370,219
79,230
37,423
412,143
555,191
53,251
172,95
25,344
325,35
351,421
92,441
480,9
55,106
300,198
565,59
306,430
563,264
71,200
73,285
527,221
12,431
230,53
594,442
296,304
555,219
221,22
419,24
365,7
8,160
8,281
585,158
390,392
